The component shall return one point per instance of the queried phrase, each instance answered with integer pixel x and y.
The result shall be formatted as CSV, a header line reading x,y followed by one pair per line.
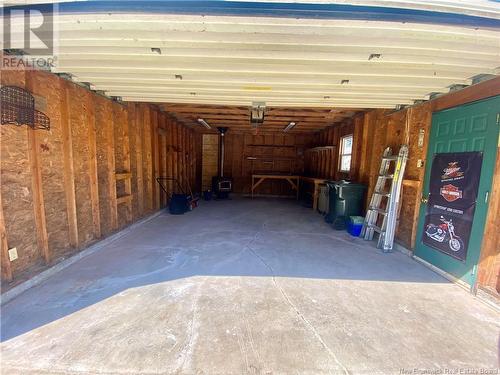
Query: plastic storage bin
x,y
354,225
179,204
346,199
323,199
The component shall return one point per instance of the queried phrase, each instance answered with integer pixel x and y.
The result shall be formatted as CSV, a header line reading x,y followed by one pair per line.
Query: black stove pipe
x,y
222,132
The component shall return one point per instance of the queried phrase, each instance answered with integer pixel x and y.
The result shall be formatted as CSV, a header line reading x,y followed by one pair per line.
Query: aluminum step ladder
x,y
386,202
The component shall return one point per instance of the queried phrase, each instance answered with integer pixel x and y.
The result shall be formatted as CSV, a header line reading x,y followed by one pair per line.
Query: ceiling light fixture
x,y
204,123
290,126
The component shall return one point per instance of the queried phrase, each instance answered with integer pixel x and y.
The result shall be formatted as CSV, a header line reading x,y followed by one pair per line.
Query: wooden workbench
x,y
292,180
316,182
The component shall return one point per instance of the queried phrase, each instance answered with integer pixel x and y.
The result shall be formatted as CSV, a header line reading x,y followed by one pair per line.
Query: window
x,y
345,153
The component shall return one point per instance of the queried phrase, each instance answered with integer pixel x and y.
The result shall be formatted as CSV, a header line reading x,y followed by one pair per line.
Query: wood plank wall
x,y
383,129
268,153
92,174
322,160
210,160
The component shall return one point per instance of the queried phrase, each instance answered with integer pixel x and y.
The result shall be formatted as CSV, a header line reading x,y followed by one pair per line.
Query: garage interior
x,y
98,275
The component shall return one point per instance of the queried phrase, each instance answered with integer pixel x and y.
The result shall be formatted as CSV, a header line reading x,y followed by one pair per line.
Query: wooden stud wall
x,y
91,174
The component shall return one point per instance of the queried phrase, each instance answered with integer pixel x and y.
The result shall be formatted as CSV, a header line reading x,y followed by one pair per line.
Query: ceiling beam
x,y
298,104
325,69
123,90
155,77
278,53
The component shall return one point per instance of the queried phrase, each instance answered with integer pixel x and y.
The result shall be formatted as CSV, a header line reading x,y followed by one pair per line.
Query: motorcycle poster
x,y
453,188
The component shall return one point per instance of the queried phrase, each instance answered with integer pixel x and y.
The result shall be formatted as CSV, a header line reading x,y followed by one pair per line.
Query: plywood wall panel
x,y
17,195
105,162
139,155
209,159
50,156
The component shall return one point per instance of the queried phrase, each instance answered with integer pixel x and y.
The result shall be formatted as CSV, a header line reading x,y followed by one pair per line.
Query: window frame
x,y
342,153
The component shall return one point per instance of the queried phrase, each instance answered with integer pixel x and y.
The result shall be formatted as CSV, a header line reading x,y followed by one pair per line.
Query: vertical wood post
x,y
4,247
126,163
175,148
38,203
170,154
94,189
110,170
139,148
148,151
69,173
36,184
156,158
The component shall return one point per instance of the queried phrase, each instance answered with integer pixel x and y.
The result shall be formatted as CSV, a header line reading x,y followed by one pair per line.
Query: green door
x,y
471,127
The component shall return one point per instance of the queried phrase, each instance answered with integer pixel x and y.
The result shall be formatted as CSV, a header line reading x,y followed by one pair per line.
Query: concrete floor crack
x,y
187,350
307,323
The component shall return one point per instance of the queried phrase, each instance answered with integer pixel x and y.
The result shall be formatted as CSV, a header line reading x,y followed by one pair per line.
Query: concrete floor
x,y
241,286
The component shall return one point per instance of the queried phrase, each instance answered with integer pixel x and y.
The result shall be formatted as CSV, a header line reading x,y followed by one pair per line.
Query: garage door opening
x,y
201,188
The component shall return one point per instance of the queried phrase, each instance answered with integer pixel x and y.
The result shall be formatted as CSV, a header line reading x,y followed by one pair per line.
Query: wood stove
x,y
222,185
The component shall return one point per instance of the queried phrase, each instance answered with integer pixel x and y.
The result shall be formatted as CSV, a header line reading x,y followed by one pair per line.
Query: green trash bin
x,y
346,199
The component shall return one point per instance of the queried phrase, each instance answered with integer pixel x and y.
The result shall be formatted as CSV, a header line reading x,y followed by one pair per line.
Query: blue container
x,y
179,204
207,195
354,225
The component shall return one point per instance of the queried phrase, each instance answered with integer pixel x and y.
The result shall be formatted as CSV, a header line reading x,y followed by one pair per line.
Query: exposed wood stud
x,y
174,147
110,150
69,173
156,158
92,170
126,164
38,202
4,247
148,160
170,153
139,124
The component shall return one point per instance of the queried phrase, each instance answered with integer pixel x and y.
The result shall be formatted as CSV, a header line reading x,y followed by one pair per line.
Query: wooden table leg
x,y
252,185
315,196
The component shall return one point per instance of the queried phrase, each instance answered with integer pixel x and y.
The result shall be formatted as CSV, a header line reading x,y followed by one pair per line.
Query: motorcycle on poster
x,y
453,188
